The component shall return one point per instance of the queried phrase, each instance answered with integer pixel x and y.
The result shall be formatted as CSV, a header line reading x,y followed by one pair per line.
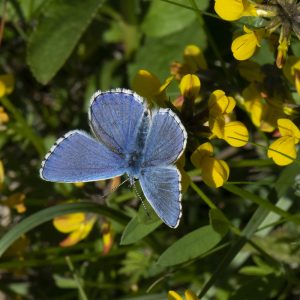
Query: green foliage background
x,y
237,242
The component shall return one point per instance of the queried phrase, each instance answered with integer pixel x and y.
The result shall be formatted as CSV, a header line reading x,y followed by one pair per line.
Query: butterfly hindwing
x,y
115,117
162,188
77,157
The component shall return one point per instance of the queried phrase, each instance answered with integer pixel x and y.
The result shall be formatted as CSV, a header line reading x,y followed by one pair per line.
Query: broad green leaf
x,y
218,221
136,230
192,245
157,53
56,35
164,18
49,213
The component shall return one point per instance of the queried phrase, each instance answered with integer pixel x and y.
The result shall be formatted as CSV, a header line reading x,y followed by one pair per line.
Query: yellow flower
x,y
189,295
190,86
215,172
234,133
231,10
282,52
193,61
148,86
244,46
7,83
219,103
78,225
107,237
283,150
264,113
4,118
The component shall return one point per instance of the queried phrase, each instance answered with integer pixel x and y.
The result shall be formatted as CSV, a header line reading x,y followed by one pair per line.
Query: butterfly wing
x,y
166,139
159,178
77,157
162,188
115,117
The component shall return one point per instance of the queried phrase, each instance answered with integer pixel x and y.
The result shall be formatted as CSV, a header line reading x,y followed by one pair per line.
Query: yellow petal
x,y
68,223
219,103
253,103
282,52
79,234
107,237
285,145
214,172
189,295
236,134
288,128
229,10
164,86
244,46
194,58
146,84
190,86
203,151
4,118
217,125
172,295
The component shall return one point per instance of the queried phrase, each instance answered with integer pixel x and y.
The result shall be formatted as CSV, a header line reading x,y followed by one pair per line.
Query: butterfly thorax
x,y
134,164
134,158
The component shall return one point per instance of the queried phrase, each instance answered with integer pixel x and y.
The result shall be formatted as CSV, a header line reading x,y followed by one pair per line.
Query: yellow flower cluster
x,y
280,13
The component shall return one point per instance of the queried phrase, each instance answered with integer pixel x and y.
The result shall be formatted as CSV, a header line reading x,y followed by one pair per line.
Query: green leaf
x,y
49,213
136,230
164,18
256,220
192,245
218,221
157,53
56,35
260,201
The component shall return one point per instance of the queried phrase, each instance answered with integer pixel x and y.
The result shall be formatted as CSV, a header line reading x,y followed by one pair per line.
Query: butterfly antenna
x,y
98,198
140,197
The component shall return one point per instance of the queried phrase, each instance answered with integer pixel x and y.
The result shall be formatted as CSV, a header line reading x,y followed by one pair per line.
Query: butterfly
x,y
131,139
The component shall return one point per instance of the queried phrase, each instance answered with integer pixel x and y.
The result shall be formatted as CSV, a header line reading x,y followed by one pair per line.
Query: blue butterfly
x,y
131,139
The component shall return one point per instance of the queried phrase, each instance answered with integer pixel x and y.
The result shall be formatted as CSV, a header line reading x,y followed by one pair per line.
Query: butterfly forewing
x,y
76,157
115,117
